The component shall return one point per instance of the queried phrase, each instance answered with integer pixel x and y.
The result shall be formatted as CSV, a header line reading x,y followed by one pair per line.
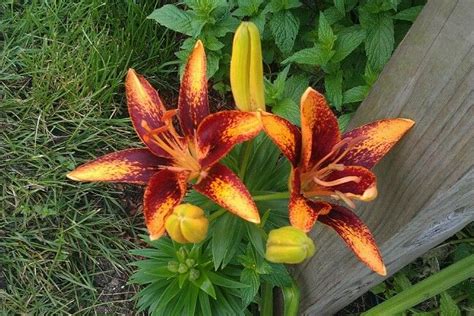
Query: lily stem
x,y
272,196
267,299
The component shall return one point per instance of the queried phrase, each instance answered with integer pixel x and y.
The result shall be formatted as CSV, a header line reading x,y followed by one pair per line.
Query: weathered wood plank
x,y
426,184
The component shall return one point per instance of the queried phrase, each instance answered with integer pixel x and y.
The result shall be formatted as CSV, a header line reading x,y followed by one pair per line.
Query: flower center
x,y
182,150
315,181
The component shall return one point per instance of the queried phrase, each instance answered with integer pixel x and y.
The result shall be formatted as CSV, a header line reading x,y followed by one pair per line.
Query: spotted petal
x,y
356,235
145,109
130,166
284,134
218,133
223,187
377,138
319,128
303,212
193,101
165,190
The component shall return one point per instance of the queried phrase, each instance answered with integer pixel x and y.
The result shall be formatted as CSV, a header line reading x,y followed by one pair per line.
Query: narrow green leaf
x,y
279,275
173,18
204,303
224,282
256,235
205,284
191,300
224,249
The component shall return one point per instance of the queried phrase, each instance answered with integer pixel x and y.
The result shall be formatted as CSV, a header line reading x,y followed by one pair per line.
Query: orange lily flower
x,y
328,164
172,160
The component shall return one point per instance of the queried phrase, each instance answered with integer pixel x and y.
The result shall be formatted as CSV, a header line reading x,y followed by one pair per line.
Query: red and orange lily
x,y
172,160
328,164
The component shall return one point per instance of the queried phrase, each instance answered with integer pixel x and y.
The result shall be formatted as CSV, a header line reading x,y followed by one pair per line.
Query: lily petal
x,y
193,101
364,189
377,138
356,235
223,187
303,212
284,134
319,128
145,109
165,190
130,166
218,133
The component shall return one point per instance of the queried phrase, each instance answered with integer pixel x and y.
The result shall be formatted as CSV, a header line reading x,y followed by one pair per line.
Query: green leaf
x,y
288,109
212,64
401,282
325,33
333,86
356,94
173,18
212,43
191,300
284,27
295,86
224,249
448,306
279,275
279,83
379,288
409,14
380,39
343,121
340,6
347,40
315,56
247,7
205,284
257,237
204,303
333,15
219,280
251,278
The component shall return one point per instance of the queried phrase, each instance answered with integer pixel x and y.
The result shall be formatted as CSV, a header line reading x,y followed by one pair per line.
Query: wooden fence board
x,y
426,183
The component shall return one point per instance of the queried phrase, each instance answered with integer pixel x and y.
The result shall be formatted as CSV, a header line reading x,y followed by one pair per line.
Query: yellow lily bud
x,y
187,224
289,245
246,69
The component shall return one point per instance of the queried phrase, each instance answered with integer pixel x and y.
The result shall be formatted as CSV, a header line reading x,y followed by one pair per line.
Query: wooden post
x,y
426,183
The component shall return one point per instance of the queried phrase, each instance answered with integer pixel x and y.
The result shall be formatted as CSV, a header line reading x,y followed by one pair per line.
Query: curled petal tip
x,y
71,176
382,271
369,194
199,45
154,237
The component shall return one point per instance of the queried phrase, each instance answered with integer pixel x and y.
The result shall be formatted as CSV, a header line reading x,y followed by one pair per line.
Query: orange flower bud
x,y
289,245
187,224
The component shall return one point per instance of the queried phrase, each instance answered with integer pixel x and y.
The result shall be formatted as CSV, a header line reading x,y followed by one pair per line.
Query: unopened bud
x,y
187,224
173,266
194,274
289,245
182,268
246,69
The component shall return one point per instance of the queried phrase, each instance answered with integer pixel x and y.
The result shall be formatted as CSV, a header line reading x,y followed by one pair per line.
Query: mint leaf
x,y
343,121
380,39
333,15
356,94
409,14
284,27
295,86
325,34
340,6
448,305
173,18
333,86
289,109
347,40
315,56
250,278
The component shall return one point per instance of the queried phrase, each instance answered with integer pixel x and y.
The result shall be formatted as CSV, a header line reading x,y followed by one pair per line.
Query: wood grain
x,y
426,183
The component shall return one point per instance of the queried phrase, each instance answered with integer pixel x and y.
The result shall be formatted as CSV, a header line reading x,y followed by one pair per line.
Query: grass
x,y
63,246
62,65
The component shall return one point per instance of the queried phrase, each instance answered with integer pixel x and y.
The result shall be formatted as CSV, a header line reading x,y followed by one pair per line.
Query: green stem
x,y
291,299
267,299
247,150
429,287
272,196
